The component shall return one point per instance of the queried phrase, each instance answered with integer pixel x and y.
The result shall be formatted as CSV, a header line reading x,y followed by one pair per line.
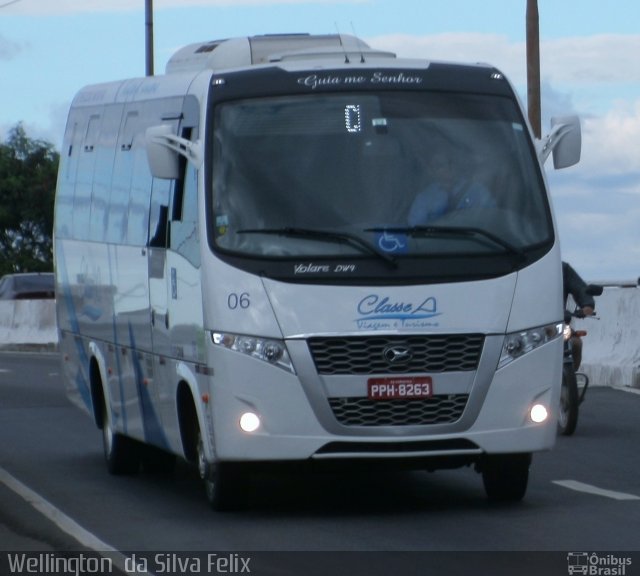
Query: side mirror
x,y
564,141
567,152
164,149
163,160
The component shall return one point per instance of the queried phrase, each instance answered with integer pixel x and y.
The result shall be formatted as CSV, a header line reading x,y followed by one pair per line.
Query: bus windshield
x,y
407,174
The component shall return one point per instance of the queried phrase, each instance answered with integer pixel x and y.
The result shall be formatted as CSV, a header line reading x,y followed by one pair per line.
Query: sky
x,y
589,51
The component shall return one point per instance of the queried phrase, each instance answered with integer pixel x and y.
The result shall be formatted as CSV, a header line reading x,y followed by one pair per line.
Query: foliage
x,y
28,170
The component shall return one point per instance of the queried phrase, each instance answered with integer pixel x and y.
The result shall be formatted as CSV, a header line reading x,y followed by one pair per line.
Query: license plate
x,y
400,388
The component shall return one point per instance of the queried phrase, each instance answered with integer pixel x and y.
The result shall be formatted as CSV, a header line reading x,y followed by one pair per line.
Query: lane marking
x,y
590,489
65,523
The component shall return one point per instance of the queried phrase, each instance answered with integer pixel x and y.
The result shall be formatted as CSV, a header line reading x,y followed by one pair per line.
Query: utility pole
x,y
148,23
533,67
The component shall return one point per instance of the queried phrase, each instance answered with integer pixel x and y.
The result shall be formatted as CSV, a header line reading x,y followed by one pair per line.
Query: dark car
x,y
28,286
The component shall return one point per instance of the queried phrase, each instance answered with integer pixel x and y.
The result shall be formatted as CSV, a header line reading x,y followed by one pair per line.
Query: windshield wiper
x,y
326,236
456,231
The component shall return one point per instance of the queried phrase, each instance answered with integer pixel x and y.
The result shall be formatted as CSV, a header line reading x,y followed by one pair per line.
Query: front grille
x,y
364,412
366,354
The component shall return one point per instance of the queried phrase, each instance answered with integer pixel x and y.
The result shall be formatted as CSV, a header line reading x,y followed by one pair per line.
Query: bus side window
x,y
66,186
161,190
103,172
159,216
184,225
117,221
85,177
140,193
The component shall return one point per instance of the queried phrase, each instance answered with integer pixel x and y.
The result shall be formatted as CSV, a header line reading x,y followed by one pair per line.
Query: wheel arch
x,y
187,417
191,416
99,393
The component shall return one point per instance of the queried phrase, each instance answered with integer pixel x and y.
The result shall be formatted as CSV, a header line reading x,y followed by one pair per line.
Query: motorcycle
x,y
574,383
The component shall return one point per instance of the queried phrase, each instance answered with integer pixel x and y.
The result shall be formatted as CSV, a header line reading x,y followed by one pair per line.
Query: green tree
x,y
28,171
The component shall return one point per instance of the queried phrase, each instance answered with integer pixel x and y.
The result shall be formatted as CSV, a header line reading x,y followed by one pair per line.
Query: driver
x,y
449,191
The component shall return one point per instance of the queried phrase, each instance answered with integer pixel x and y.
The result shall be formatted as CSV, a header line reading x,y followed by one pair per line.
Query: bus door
x,y
174,266
174,254
158,275
184,297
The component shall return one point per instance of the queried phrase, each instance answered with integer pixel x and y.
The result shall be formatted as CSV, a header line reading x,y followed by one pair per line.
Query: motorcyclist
x,y
575,286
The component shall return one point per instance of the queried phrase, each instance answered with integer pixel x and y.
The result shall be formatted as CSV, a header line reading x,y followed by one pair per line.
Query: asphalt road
x,y
55,495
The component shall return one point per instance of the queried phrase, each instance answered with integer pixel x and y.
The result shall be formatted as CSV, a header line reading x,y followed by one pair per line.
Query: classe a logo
x,y
397,354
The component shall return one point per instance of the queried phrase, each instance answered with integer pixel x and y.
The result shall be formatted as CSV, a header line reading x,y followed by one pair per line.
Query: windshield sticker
x,y
377,312
314,81
392,243
222,224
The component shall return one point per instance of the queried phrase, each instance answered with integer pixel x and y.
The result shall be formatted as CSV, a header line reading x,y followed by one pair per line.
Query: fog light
x,y
539,413
249,422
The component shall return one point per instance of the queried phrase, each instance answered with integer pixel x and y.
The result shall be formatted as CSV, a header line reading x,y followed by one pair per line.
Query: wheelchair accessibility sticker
x,y
392,243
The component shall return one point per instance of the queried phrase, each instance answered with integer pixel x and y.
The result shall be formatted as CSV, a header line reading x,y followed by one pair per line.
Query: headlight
x,y
273,352
520,343
566,334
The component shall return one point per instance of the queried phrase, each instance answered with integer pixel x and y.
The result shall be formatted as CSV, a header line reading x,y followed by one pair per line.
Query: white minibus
x,y
297,248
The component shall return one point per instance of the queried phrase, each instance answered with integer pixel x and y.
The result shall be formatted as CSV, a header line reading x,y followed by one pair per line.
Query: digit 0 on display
x,y
352,118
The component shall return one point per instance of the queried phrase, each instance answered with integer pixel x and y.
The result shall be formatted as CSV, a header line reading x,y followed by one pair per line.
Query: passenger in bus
x,y
449,191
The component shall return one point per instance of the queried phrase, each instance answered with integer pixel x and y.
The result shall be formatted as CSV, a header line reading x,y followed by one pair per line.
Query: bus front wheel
x,y
222,481
506,476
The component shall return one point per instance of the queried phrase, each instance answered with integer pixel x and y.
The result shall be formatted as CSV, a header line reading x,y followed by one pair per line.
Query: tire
x,y
222,481
506,476
122,454
569,402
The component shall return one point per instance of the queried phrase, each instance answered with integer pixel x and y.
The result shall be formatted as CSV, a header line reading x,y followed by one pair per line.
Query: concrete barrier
x,y
28,324
611,352
611,349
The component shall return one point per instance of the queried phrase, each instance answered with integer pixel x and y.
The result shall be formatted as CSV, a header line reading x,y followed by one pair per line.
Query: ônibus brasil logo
x,y
597,564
